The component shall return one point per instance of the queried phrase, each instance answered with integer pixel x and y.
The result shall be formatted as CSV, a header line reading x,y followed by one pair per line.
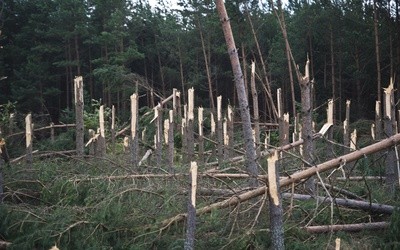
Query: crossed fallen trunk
x,y
295,177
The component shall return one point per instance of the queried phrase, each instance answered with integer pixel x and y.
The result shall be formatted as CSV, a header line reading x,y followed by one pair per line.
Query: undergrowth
x,y
76,203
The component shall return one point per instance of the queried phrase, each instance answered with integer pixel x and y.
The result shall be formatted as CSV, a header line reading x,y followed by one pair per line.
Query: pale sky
x,y
175,5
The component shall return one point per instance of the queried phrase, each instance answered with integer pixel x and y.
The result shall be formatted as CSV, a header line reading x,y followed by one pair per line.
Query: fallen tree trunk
x,y
146,176
360,178
347,227
356,204
342,191
295,177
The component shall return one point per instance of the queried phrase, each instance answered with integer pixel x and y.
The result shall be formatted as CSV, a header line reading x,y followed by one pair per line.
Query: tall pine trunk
x,y
378,58
333,73
251,164
288,57
207,65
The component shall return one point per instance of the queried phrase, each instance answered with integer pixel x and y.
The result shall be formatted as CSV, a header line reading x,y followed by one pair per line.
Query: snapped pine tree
x,y
251,164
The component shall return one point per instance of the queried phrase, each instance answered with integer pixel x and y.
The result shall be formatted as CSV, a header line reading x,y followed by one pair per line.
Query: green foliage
x,y
5,112
392,237
90,115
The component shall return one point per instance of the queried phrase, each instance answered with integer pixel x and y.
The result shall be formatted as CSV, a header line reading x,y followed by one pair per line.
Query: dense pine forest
x,y
194,124
118,46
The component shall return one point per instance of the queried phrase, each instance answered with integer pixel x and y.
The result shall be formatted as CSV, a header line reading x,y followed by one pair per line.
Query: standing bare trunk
x,y
306,124
256,116
333,73
275,204
161,74
358,81
378,59
206,61
182,76
77,57
241,92
79,107
269,97
288,57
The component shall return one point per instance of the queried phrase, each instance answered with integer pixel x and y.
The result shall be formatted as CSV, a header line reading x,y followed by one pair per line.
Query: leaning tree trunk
x,y
241,92
378,58
288,57
207,65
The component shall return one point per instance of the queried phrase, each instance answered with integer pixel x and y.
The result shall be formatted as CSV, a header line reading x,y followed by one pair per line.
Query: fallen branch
x,y
43,154
360,178
44,128
22,157
295,177
122,131
342,191
347,227
356,204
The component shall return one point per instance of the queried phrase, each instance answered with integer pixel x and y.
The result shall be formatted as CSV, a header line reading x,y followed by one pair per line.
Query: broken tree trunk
x,y
101,141
158,138
346,129
347,227
251,163
283,120
113,127
306,121
275,203
171,142
256,116
28,139
191,221
230,132
201,136
293,178
220,132
134,142
356,204
391,161
78,87
190,124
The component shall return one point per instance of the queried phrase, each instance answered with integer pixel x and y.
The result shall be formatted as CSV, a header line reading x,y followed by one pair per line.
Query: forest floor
x,y
94,203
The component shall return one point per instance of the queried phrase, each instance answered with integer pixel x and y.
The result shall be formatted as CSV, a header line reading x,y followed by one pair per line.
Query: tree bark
x,y
378,59
275,204
256,116
356,204
295,177
288,56
306,122
79,107
348,227
191,221
251,164
333,73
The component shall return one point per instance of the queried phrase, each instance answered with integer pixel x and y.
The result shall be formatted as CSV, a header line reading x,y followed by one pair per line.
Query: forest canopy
x,y
119,46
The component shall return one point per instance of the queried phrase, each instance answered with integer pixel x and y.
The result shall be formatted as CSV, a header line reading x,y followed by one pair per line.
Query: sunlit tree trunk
x,y
241,92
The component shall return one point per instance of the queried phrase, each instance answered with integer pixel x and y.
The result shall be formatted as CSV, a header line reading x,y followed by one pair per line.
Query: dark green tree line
x,y
119,46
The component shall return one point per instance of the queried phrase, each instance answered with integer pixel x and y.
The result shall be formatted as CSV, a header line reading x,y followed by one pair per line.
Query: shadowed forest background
x,y
120,45
111,66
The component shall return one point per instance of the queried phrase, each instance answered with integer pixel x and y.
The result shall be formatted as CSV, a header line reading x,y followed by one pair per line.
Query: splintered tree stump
x,y
78,90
